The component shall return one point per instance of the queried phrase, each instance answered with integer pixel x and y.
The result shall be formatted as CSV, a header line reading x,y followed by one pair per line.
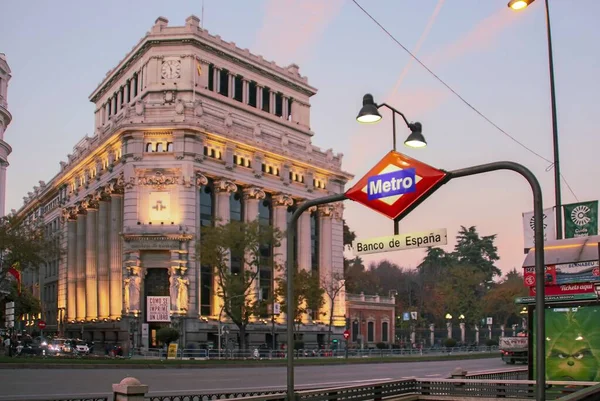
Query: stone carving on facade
x,y
254,193
139,107
228,120
198,109
132,290
257,132
338,210
225,185
201,180
326,210
178,291
283,200
158,181
69,213
116,186
179,107
329,155
92,202
169,96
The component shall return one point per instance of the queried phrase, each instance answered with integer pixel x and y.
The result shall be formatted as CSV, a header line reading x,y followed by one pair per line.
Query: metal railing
x,y
505,374
450,389
255,353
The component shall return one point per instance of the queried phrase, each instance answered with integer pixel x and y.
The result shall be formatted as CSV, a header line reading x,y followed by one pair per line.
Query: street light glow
x,y
519,4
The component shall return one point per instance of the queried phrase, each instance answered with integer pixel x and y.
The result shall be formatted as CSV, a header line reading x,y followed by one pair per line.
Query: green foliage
x,y
476,251
308,293
245,241
450,342
26,245
381,346
25,303
349,235
167,335
499,300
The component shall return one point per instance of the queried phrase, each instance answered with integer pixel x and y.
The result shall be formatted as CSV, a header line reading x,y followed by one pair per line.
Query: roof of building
x,y
572,250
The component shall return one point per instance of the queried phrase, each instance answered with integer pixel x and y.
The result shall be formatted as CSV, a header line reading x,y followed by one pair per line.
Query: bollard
x,y
130,389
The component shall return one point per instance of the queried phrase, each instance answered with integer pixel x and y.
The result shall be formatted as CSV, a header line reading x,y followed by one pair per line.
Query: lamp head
x,y
368,114
416,138
519,4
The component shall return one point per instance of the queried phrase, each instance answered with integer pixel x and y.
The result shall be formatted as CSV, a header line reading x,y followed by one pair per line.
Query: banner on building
x,y
581,219
549,219
159,309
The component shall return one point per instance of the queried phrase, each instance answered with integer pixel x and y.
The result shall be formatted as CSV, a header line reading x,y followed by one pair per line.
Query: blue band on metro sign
x,y
390,184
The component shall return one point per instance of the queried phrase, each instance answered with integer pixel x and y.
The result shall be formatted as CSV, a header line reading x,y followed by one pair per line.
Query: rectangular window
x,y
266,99
314,241
224,82
252,93
135,85
206,272
238,88
355,325
289,111
211,77
279,105
384,332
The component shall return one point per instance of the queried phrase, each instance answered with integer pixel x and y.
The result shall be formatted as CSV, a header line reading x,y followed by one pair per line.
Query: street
x,y
22,384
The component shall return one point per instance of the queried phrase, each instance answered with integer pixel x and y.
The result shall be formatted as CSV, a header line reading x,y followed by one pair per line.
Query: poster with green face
x,y
572,343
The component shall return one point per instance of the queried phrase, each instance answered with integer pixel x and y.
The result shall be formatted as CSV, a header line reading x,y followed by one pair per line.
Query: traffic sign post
x,y
394,187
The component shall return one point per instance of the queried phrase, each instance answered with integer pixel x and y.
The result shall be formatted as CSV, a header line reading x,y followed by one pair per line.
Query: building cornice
x,y
202,40
6,116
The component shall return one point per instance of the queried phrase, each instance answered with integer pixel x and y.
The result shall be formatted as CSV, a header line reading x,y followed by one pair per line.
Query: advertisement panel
x,y
581,219
158,309
572,343
529,226
566,289
568,273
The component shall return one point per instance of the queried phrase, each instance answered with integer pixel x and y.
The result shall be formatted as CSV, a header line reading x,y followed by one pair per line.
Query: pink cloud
x,y
291,27
479,38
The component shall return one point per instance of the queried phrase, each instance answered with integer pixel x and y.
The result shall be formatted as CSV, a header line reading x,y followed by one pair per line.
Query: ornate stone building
x,y
188,128
5,119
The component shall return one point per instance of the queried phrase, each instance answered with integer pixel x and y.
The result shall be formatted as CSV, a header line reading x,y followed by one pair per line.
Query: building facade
x,y
372,320
5,119
188,128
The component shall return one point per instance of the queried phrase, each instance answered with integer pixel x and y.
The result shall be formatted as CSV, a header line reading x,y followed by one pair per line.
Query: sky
x,y
493,57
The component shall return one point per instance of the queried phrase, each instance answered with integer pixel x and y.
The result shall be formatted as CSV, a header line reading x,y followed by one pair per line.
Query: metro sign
x,y
396,184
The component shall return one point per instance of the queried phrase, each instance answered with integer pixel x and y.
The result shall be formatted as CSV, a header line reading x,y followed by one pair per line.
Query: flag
x,y
549,220
16,274
581,219
199,68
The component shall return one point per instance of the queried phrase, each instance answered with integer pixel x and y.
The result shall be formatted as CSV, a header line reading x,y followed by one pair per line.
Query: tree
x,y
167,335
332,286
349,235
308,294
499,302
24,245
459,289
237,290
25,302
476,251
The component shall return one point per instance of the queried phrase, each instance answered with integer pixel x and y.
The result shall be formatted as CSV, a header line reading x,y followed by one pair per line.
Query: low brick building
x,y
371,319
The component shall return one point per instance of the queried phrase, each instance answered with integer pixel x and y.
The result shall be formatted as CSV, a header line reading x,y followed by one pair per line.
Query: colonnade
x,y
94,255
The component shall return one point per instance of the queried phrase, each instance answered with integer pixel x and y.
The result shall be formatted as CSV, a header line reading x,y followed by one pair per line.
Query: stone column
x,y
477,334
284,107
103,258
116,252
462,332
91,272
259,97
72,264
252,197
230,85
119,99
281,202
223,189
245,91
81,259
272,102
327,278
432,334
216,79
304,255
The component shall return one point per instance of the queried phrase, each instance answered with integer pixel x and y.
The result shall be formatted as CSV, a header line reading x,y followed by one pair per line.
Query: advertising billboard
x,y
572,343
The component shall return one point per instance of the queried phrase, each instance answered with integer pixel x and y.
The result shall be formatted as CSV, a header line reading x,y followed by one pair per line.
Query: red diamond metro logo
x,y
396,185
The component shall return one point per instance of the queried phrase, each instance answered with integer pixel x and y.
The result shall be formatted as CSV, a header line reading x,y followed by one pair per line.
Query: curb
x,y
208,365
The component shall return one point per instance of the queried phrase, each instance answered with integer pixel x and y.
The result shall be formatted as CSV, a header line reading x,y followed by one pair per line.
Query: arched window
x,y
355,326
236,213
159,147
169,146
149,147
370,332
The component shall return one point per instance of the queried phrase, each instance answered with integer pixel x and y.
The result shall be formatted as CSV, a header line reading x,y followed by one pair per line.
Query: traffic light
x,y
334,344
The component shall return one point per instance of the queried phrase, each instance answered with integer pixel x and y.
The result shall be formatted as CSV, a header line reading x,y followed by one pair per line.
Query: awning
x,y
564,251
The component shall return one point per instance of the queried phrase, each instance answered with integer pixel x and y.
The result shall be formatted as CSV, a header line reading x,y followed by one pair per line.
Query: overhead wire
x,y
468,104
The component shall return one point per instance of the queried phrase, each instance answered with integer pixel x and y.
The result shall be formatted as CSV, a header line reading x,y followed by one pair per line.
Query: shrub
x,y
167,335
381,345
491,342
450,342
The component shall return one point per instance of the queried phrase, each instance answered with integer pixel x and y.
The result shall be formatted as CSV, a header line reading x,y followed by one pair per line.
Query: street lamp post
x,y
369,114
519,5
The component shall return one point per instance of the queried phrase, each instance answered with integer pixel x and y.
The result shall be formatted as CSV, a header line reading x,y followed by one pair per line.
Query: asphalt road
x,y
23,384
